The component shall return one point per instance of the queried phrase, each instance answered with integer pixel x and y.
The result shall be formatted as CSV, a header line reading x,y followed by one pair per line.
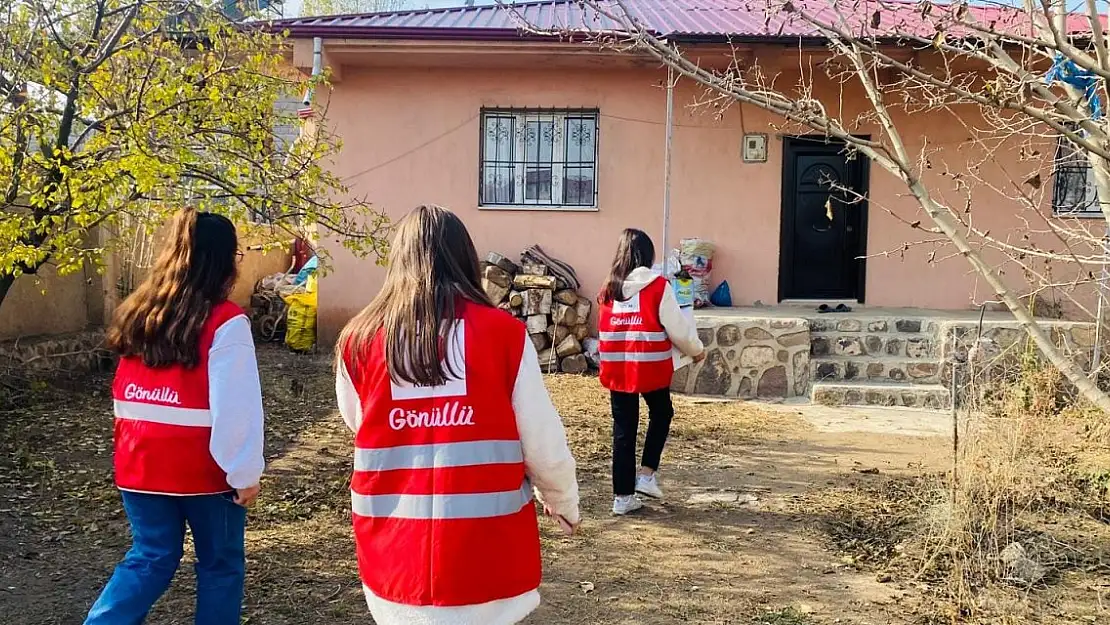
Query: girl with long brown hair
x,y
640,327
453,429
188,426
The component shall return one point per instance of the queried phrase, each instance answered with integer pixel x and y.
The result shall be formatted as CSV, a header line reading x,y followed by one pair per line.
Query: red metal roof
x,y
678,19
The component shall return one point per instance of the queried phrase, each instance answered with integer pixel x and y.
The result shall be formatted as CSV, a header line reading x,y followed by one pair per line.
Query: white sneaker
x,y
648,485
625,504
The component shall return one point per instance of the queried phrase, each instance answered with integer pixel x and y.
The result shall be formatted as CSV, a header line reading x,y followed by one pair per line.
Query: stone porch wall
x,y
748,358
1076,339
1004,346
873,357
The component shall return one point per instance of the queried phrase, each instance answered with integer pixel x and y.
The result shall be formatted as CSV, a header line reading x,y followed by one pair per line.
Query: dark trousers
x,y
626,420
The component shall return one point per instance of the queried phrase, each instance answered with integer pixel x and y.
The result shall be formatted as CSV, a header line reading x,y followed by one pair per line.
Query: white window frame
x,y
521,165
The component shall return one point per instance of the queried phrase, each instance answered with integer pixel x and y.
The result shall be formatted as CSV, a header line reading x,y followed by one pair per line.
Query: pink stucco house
x,y
537,140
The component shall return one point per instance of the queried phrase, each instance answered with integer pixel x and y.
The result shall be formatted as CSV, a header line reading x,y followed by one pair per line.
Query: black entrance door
x,y
824,221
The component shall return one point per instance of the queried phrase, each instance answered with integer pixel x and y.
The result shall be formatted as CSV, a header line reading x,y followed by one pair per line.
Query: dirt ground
x,y
752,530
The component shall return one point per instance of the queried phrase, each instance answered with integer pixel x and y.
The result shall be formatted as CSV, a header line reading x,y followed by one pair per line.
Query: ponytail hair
x,y
634,250
162,320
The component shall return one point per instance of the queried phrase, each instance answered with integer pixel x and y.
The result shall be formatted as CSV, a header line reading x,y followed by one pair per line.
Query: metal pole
x,y
1096,357
667,168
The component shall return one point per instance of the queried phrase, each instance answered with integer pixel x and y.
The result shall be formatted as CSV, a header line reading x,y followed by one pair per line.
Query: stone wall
x,y
1005,346
54,355
1075,339
749,357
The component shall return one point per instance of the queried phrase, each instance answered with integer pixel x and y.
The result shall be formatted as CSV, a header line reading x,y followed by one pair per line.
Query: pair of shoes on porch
x,y
647,485
840,308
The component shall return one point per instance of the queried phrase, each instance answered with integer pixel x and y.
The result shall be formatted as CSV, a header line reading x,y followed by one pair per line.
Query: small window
x,y
538,159
1073,190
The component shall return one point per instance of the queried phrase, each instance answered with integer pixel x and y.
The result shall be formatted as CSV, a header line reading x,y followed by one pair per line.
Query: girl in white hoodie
x,y
639,325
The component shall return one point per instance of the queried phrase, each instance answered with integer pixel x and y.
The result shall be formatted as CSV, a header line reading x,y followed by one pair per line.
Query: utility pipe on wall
x,y
664,249
317,67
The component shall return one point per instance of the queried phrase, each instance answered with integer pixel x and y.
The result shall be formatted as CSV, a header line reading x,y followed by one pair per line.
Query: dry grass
x,y
581,401
62,529
897,547
1026,507
1018,534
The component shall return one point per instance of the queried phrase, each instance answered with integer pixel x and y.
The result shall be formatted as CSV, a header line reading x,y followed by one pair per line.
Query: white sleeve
x,y
547,458
350,406
235,400
683,334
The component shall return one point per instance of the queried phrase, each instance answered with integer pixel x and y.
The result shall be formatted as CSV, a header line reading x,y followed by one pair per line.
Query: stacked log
x,y
555,315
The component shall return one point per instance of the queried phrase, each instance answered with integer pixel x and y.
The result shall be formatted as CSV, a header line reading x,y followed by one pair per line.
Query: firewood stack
x,y
556,316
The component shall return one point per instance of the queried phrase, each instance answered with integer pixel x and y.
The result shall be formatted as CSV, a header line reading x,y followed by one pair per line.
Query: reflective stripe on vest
x,y
632,336
439,480
167,415
646,343
634,356
437,507
436,456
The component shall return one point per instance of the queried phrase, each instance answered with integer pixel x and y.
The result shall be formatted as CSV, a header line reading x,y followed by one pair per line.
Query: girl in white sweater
x,y
453,429
639,326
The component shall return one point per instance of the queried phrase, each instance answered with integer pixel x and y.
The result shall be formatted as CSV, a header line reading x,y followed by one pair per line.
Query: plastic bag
x,y
696,257
275,281
300,321
306,271
684,289
593,351
674,263
722,296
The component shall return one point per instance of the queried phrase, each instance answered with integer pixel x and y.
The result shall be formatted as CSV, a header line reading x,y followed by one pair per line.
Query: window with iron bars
x,y
1073,188
532,158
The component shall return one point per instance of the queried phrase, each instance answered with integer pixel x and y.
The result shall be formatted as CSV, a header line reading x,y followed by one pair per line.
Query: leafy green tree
x,y
115,113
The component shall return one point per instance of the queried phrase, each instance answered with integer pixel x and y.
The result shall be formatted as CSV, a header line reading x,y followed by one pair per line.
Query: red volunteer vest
x,y
634,348
443,512
163,423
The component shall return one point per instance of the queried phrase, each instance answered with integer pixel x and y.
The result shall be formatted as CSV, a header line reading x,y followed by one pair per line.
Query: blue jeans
x,y
157,542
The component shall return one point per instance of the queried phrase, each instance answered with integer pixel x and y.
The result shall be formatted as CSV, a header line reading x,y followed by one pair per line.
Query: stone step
x,y
875,369
863,324
889,345
930,396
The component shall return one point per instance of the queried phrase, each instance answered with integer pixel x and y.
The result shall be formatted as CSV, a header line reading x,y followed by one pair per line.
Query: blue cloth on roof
x,y
1065,70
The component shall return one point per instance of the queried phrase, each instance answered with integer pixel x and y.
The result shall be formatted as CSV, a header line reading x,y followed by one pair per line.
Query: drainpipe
x,y
667,169
317,67
305,112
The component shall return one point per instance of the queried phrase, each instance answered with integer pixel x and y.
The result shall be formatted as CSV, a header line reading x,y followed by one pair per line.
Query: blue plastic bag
x,y
308,269
722,296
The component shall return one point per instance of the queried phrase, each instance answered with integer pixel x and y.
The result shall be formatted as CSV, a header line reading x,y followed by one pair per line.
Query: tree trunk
x,y
6,282
1087,388
900,165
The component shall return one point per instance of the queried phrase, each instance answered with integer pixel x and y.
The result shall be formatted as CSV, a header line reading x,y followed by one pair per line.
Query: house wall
x,y
50,305
411,137
255,266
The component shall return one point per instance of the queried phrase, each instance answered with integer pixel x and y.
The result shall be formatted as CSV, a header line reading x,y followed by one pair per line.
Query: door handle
x,y
849,228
